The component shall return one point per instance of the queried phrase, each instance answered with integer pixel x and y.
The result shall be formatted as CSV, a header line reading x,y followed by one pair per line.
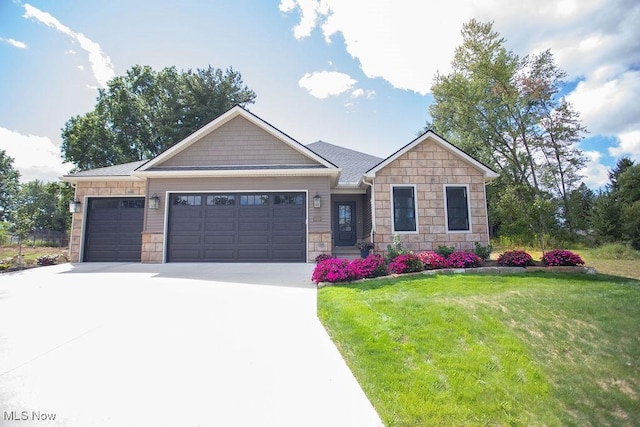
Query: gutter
x,y
373,205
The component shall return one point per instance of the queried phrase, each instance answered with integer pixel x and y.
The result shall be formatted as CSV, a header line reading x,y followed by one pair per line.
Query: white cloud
x,y
358,93
311,13
323,84
629,145
100,62
608,100
36,157
14,43
595,174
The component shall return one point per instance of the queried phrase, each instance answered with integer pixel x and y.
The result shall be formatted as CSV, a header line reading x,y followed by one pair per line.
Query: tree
x,y
506,111
144,112
629,196
9,184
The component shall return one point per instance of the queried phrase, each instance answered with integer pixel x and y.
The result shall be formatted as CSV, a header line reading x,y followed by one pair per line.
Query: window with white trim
x,y
404,209
458,215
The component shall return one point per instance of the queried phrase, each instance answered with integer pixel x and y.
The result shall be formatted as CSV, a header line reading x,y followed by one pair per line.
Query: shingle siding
x,y
429,166
238,142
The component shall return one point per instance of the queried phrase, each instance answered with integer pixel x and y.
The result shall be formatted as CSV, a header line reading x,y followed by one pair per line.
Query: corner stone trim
x,y
152,248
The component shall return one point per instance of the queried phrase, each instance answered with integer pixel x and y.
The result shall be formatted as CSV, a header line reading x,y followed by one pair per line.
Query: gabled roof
x,y
119,172
353,163
489,174
234,112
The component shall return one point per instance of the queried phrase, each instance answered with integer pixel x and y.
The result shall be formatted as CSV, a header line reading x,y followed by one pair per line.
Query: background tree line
x,y
508,112
136,117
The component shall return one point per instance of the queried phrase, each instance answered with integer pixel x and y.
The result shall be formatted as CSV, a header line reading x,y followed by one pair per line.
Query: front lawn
x,y
530,349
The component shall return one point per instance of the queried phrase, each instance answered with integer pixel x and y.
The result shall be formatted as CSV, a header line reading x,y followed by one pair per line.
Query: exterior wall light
x,y
75,206
317,201
154,201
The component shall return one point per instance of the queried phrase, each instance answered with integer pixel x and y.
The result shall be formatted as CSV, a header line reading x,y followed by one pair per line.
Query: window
x,y
289,199
457,207
132,204
404,209
221,200
254,199
187,200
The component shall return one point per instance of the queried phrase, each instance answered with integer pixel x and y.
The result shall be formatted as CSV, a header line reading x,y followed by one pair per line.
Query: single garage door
x,y
114,229
237,227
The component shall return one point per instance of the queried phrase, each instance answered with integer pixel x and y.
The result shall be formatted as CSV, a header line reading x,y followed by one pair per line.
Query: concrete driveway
x,y
109,344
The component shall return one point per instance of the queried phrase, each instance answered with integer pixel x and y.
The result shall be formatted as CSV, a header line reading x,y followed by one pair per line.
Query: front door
x,y
344,223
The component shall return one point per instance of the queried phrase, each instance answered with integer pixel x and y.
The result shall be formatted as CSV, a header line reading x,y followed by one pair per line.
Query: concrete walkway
x,y
109,344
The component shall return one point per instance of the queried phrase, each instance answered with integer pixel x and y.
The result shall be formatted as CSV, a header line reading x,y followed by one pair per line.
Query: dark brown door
x,y
344,223
114,229
237,227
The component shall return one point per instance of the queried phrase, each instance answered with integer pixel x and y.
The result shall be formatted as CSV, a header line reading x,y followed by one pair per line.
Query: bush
x,y
463,259
323,257
334,270
445,251
484,252
561,257
395,249
616,251
371,266
432,260
516,258
406,263
46,260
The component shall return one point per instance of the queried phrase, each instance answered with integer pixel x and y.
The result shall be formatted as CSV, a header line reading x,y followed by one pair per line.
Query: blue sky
x,y
354,73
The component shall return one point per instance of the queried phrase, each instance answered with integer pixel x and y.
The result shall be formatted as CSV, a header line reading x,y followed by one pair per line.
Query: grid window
x,y
457,208
404,209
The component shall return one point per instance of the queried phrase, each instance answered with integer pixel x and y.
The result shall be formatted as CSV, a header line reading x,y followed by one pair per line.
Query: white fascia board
x,y
221,120
488,173
98,178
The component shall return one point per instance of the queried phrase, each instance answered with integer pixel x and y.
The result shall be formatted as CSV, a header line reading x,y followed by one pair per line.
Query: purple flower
x,y
561,257
516,258
463,259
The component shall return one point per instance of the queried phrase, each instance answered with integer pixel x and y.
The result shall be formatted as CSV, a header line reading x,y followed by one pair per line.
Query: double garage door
x,y
237,227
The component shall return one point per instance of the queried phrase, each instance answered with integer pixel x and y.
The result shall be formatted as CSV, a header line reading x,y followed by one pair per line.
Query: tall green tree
x,y
144,112
9,184
506,111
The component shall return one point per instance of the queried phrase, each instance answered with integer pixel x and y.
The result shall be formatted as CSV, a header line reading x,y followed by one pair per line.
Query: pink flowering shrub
x,y
463,259
515,258
561,257
432,260
371,266
334,270
406,263
323,257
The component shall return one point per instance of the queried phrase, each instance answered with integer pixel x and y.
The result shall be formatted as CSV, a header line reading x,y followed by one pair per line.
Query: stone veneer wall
x,y
319,243
429,166
152,247
98,189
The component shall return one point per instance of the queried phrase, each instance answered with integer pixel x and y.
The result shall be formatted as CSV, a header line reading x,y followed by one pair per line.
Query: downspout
x,y
373,206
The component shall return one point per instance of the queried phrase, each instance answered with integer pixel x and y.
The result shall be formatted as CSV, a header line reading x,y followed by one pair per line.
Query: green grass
x,y
531,349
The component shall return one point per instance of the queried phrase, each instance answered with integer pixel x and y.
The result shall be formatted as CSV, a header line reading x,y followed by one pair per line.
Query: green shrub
x,y
395,249
445,251
484,252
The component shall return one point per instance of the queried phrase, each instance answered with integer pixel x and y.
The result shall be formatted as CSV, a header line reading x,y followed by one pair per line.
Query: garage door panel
x,y
219,254
289,227
223,239
220,212
188,239
253,240
287,239
253,226
253,212
245,228
113,230
220,226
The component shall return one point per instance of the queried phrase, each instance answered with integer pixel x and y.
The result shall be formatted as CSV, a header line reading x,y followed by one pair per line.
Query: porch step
x,y
349,252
